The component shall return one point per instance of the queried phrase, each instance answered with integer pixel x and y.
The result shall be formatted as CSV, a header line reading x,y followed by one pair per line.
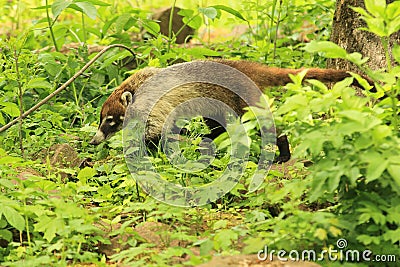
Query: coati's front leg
x,y
284,151
282,141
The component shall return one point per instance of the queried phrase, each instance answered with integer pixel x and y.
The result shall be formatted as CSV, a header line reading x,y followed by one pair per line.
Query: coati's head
x,y
113,111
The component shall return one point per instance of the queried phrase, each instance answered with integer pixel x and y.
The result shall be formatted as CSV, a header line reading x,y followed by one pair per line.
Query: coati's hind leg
x,y
282,141
284,151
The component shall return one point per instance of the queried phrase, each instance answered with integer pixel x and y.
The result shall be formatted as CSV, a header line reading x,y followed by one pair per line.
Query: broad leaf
x,y
14,218
375,169
201,52
97,3
230,11
193,21
330,49
376,7
38,83
393,10
209,12
10,108
86,173
87,8
49,226
152,27
394,171
59,6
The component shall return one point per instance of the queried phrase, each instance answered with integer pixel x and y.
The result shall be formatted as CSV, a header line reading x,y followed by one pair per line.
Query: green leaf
x,y
365,239
224,238
88,8
88,129
38,83
10,108
253,245
362,12
380,132
333,181
221,224
49,226
318,186
368,122
2,120
322,234
312,142
357,58
59,6
201,52
50,64
293,103
392,235
393,26
230,11
120,22
209,12
85,174
41,7
377,26
152,27
376,7
353,174
97,3
394,171
111,59
393,10
6,235
193,21
205,247
375,169
10,160
14,218
330,49
85,7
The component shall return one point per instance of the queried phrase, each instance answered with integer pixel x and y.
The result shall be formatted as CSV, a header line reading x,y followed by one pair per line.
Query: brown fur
x,y
113,105
262,75
265,76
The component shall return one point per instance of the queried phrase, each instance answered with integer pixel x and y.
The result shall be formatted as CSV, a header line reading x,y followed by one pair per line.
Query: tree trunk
x,y
162,16
347,34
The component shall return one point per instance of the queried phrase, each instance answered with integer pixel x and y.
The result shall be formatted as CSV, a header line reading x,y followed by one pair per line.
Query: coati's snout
x,y
108,127
112,117
97,138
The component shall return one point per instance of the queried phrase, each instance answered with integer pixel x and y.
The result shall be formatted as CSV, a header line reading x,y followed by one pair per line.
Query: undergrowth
x,y
65,213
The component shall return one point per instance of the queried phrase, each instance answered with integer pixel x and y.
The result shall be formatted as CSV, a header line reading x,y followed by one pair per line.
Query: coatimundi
x,y
114,108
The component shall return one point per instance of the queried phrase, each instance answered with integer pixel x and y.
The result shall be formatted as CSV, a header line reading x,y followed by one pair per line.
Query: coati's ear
x,y
126,98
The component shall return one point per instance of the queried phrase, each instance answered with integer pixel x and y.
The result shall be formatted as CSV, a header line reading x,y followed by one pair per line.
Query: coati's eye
x,y
110,119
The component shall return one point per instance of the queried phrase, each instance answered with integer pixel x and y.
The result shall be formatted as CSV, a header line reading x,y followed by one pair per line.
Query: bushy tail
x,y
265,76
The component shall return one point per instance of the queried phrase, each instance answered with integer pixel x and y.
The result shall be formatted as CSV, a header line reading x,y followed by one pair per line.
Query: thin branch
x,y
62,87
20,97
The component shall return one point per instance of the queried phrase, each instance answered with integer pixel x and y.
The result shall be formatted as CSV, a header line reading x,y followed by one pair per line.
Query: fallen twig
x,y
62,87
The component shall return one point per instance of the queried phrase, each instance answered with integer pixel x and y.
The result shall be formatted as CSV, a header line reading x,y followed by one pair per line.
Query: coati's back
x,y
196,88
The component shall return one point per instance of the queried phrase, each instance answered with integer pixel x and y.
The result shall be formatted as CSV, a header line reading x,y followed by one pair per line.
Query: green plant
x,y
60,215
87,8
355,148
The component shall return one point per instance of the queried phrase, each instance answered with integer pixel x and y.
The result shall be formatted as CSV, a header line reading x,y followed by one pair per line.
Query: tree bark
x,y
163,15
347,34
